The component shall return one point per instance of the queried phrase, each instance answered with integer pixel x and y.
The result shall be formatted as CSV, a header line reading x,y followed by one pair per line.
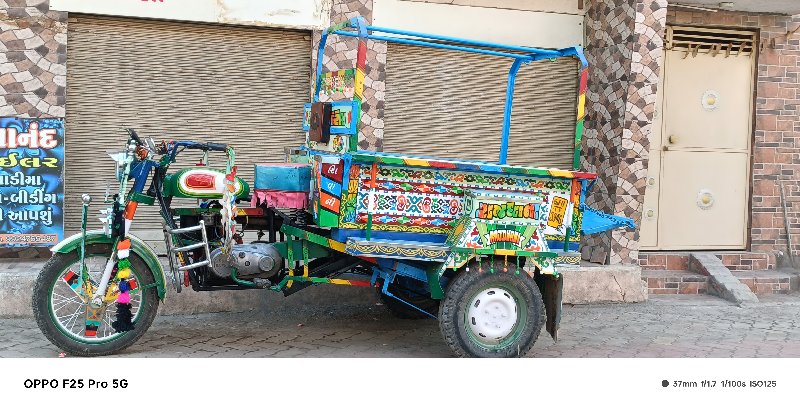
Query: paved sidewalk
x,y
665,326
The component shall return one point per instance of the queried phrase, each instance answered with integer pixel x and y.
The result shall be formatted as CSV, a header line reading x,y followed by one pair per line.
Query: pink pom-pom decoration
x,y
124,298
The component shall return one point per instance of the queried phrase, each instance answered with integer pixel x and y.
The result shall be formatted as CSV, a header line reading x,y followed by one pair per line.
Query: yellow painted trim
x,y
561,173
359,84
416,162
581,106
336,245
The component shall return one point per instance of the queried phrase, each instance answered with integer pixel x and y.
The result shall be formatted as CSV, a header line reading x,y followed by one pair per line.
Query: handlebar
x,y
186,144
212,147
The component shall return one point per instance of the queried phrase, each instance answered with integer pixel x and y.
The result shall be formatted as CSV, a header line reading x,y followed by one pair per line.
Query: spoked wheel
x,y
60,310
496,314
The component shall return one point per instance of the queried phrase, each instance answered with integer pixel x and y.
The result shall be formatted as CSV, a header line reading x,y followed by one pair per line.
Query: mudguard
x,y
73,243
551,287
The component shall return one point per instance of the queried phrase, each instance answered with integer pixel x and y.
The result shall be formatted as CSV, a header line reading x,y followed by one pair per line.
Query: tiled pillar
x,y
624,46
33,56
340,53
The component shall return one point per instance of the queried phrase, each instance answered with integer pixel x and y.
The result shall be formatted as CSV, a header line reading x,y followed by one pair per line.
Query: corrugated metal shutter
x,y
450,104
241,86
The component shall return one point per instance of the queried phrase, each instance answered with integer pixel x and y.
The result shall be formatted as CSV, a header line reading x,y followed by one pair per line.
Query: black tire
x,y
48,278
409,290
463,289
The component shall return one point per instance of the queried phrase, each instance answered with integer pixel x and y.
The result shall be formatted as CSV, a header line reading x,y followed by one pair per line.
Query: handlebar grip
x,y
217,147
134,136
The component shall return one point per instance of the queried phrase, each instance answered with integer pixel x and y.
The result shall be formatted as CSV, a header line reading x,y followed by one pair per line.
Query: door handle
x,y
672,139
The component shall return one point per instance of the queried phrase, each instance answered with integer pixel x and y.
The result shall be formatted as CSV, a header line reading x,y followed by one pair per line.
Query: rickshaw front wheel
x,y
60,310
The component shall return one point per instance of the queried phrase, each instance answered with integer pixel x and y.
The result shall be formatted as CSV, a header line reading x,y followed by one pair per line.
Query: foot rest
x,y
377,248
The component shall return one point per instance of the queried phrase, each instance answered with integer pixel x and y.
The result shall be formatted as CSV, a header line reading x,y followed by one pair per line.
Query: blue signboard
x,y
31,181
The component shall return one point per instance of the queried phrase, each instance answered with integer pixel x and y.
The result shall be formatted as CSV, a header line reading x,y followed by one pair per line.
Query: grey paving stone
x,y
662,327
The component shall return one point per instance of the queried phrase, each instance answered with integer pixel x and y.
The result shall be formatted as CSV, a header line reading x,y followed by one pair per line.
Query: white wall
x,y
300,14
500,25
550,6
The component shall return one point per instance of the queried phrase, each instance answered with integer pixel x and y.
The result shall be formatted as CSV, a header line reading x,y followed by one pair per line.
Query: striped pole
x,y
361,65
584,79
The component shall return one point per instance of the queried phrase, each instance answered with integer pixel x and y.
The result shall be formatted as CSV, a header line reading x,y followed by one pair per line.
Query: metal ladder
x,y
172,252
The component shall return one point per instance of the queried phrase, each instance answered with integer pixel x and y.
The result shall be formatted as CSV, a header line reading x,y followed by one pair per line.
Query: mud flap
x,y
551,287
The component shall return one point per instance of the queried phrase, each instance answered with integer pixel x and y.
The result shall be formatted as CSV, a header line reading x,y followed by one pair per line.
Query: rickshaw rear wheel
x,y
485,314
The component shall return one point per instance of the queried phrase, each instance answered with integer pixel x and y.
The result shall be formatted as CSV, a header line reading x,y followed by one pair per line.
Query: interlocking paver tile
x,y
665,326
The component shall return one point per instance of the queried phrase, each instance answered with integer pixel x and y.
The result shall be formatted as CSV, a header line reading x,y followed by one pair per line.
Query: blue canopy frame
x,y
357,27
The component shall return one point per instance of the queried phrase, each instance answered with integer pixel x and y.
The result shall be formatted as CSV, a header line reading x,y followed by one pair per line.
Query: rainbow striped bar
x,y
314,238
576,162
346,282
475,166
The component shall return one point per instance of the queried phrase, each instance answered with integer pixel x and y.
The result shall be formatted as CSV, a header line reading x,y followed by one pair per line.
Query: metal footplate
x,y
173,252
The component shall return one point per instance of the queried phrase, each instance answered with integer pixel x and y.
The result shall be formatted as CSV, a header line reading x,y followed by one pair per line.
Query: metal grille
x,y
450,104
711,41
170,81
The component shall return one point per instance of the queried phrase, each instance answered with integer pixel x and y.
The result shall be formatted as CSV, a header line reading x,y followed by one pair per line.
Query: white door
x,y
699,160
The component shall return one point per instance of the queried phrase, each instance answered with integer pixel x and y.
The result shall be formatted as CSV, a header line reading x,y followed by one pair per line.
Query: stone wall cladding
x,y
340,53
33,74
624,47
675,283
776,145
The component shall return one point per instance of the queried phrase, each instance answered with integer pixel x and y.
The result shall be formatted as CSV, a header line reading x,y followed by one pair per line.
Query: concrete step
x,y
720,280
671,282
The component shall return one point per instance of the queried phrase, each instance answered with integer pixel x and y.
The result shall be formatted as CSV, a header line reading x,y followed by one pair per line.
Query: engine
x,y
250,260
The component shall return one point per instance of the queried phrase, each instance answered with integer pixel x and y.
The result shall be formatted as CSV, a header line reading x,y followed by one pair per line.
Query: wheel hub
x,y
492,315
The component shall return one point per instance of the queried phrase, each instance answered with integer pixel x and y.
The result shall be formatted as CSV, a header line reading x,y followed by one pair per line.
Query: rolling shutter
x,y
450,104
178,81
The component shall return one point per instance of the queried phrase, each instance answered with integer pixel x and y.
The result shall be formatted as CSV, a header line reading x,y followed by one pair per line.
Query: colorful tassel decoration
x,y
124,317
124,249
124,287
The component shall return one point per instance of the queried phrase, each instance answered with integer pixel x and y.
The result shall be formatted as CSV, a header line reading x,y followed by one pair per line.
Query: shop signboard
x,y
31,181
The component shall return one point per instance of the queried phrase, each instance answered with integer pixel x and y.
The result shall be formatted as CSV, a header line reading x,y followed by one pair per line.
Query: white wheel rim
x,y
492,315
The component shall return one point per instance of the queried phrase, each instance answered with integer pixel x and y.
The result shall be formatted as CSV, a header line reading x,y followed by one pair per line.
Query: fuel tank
x,y
201,182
